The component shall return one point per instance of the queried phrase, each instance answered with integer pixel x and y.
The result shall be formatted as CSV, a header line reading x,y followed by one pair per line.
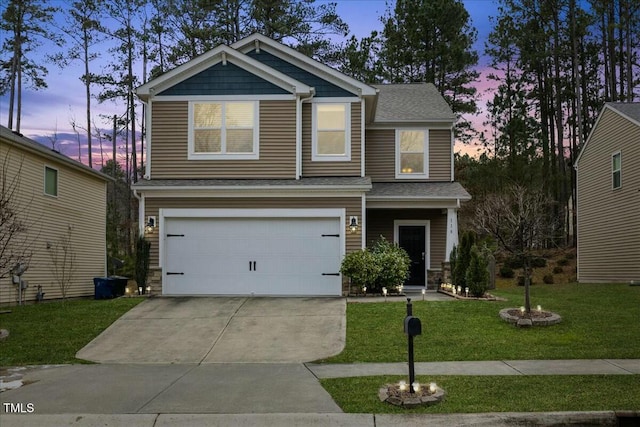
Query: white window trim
x,y
347,135
425,174
613,171
255,155
44,181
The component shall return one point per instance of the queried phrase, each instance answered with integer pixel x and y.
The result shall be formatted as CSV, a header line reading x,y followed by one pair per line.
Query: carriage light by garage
x,y
353,224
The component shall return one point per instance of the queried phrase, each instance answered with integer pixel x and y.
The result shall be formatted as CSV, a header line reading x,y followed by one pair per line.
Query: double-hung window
x,y
223,130
412,148
616,170
50,181
331,138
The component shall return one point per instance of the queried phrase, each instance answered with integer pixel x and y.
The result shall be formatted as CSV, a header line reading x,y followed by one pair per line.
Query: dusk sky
x,y
50,111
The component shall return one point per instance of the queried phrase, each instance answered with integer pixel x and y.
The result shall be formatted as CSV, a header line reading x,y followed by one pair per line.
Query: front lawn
x,y
599,321
52,332
475,394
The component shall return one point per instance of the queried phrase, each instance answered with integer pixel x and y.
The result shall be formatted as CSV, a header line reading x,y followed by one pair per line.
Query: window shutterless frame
x,y
223,125
616,170
412,153
331,124
50,180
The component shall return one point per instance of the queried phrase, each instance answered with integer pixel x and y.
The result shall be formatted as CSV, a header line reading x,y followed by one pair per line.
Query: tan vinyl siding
x,y
81,205
353,206
380,223
381,155
169,139
608,219
314,169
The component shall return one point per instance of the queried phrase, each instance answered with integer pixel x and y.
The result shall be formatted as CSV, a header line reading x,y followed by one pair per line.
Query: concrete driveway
x,y
223,330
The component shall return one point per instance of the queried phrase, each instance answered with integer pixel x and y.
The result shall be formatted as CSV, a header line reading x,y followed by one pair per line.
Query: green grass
x,y
470,394
599,321
52,332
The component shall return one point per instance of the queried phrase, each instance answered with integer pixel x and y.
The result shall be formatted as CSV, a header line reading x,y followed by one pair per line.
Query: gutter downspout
x,y
299,102
141,209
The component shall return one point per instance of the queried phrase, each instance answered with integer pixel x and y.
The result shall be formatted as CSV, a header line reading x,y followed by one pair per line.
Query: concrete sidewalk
x,y
503,367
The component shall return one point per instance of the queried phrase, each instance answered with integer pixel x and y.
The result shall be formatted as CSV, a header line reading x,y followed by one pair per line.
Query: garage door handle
x,y
171,273
330,274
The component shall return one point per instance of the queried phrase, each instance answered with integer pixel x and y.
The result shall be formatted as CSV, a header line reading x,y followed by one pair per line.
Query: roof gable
x,y
226,79
259,42
411,103
628,110
225,55
323,87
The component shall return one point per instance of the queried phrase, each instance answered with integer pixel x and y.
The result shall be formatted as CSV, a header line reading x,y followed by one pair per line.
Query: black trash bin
x,y
103,287
118,285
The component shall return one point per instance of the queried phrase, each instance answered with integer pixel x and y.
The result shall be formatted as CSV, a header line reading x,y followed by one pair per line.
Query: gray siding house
x,y
608,198
265,167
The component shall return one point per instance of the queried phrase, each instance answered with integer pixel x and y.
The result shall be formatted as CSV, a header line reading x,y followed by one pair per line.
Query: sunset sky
x,y
48,112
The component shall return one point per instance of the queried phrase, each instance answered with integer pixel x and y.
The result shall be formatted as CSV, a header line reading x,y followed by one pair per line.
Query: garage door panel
x,y
241,256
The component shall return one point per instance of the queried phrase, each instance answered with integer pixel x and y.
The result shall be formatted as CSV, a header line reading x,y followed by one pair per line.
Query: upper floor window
x,y
50,181
616,169
223,130
331,138
412,148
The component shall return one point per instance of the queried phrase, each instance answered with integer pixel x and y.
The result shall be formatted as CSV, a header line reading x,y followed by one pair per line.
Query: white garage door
x,y
244,256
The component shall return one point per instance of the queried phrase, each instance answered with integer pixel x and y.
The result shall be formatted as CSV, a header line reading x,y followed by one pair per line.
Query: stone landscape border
x,y
548,319
389,393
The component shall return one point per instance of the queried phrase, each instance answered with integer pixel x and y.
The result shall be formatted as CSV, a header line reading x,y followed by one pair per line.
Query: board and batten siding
x,y
608,219
169,145
380,223
81,205
317,169
381,155
353,206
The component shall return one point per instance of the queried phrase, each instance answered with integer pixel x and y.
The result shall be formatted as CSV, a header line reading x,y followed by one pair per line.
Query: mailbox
x,y
412,326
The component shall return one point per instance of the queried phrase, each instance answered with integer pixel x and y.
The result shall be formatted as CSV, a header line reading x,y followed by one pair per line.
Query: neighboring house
x,y
265,167
55,198
608,197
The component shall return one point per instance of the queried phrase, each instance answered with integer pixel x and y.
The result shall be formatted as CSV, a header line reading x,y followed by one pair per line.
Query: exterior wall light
x,y
353,224
151,224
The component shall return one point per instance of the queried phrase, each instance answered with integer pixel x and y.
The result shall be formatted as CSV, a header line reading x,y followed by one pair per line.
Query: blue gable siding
x,y
224,80
323,87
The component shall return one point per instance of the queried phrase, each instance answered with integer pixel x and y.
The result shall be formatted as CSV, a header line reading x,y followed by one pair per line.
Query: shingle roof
x,y
415,102
239,183
418,190
31,145
630,109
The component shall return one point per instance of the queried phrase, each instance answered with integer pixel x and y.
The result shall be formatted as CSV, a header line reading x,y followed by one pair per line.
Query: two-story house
x,y
50,204
265,167
608,197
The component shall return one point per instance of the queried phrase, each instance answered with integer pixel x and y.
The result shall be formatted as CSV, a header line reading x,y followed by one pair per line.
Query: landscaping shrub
x,y
563,262
393,263
463,260
558,270
507,272
453,261
362,268
521,281
538,263
548,279
143,247
514,262
477,275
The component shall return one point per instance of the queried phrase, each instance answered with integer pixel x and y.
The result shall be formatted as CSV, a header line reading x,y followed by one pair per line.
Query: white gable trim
x,y
308,64
595,126
219,54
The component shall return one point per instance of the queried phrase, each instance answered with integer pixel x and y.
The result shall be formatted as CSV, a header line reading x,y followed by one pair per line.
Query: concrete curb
x,y
506,419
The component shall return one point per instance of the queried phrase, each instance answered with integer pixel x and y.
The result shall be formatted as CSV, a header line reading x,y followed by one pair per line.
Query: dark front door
x,y
412,239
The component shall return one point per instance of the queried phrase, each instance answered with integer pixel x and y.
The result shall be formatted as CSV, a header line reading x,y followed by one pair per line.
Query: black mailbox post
x,y
412,327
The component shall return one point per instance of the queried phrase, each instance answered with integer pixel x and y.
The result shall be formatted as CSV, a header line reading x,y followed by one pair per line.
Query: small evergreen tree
x,y
143,246
467,240
477,275
453,261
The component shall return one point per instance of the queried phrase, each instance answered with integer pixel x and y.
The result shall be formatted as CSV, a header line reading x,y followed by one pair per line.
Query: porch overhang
x,y
416,195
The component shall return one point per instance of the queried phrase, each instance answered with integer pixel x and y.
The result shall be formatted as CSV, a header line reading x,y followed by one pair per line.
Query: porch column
x,y
452,231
